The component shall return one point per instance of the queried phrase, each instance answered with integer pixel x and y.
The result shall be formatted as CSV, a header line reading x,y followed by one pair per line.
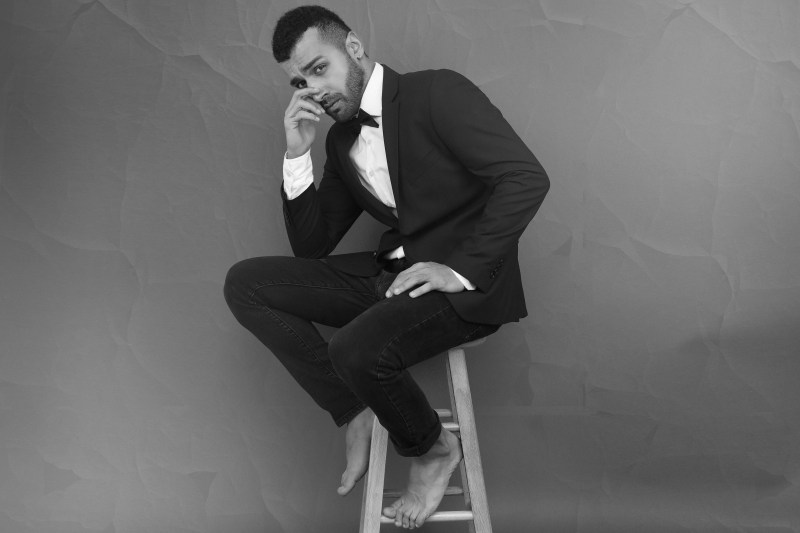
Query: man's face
x,y
340,79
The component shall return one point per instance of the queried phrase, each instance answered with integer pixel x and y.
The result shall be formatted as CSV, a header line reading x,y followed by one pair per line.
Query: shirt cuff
x,y
467,285
298,175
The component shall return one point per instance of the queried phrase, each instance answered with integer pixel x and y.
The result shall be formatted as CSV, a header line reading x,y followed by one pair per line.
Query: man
x,y
430,157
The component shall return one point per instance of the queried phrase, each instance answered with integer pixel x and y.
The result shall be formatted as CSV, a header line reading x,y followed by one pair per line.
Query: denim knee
x,y
357,357
233,288
250,275
351,356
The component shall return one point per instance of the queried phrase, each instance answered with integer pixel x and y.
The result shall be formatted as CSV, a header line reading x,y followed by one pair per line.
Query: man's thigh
x,y
307,288
401,331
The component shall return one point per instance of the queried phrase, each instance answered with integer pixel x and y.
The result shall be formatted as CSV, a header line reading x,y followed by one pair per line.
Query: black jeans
x,y
365,361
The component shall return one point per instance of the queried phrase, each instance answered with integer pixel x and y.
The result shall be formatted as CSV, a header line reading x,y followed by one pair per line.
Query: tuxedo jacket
x,y
465,185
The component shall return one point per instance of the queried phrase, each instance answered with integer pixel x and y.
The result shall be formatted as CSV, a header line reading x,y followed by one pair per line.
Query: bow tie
x,y
362,118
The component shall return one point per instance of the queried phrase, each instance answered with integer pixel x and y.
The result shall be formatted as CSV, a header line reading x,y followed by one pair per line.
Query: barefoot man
x,y
429,156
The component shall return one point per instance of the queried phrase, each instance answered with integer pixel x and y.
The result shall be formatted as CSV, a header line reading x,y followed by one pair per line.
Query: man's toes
x,y
404,520
408,513
391,511
400,514
398,518
417,519
347,483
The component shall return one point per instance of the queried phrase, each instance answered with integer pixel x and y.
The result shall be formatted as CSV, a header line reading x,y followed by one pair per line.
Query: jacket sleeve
x,y
476,133
318,219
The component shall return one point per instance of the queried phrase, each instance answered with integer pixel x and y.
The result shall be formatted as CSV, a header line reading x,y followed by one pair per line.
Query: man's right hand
x,y
300,121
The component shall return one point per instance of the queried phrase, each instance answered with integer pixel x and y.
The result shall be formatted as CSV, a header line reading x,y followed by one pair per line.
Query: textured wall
x,y
654,386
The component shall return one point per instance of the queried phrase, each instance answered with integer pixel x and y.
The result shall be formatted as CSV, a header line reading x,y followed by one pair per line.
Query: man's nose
x,y
319,97
320,94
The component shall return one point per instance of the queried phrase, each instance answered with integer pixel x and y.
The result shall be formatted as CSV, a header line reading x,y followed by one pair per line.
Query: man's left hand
x,y
425,277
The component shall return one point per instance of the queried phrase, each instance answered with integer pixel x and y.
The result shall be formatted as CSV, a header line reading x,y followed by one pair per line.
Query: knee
x,y
357,356
243,279
253,282
349,357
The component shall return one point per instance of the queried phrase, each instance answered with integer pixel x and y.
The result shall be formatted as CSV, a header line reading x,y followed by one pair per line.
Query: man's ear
x,y
353,45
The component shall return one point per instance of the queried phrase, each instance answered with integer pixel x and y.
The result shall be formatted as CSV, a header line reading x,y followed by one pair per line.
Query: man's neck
x,y
369,67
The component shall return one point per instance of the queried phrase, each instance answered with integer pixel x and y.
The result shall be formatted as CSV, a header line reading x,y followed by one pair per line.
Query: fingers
x,y
405,280
422,289
303,109
304,94
299,121
424,278
302,106
303,115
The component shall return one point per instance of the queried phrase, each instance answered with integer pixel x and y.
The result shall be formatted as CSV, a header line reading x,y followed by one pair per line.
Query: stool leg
x,y
463,465
372,503
463,414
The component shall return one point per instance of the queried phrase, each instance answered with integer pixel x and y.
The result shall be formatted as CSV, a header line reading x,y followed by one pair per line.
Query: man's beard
x,y
347,104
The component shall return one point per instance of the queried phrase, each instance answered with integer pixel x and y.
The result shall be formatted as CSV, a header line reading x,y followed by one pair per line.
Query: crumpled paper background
x,y
654,386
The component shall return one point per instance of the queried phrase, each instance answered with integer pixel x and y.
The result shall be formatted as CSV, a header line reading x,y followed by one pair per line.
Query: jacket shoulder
x,y
427,86
433,75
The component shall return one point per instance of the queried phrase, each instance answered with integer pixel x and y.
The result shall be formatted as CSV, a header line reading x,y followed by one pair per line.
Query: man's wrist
x,y
294,155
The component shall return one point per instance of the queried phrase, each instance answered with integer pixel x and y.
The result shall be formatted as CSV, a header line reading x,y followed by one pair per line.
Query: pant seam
x,y
262,285
283,324
381,355
300,339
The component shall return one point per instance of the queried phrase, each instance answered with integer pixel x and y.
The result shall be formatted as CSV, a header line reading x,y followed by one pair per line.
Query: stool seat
x,y
472,486
472,344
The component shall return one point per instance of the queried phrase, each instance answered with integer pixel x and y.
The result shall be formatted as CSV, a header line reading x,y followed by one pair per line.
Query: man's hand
x,y
425,277
299,121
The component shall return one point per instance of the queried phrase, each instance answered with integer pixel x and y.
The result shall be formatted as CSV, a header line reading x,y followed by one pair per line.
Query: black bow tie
x,y
362,118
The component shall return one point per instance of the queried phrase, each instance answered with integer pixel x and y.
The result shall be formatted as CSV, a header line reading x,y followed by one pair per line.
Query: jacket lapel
x,y
390,104
344,141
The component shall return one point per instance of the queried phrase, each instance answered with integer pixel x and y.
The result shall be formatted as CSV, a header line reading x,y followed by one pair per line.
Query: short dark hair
x,y
293,24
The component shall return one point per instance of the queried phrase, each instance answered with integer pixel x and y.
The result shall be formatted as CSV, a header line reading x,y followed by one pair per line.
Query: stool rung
x,y
444,413
452,427
449,491
441,516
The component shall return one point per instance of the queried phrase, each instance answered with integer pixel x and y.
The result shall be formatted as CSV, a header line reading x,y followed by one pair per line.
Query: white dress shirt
x,y
368,155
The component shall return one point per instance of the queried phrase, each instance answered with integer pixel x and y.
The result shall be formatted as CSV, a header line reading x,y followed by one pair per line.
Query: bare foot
x,y
357,439
427,482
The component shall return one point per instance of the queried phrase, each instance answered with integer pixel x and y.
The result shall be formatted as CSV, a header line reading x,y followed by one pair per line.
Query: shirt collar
x,y
371,99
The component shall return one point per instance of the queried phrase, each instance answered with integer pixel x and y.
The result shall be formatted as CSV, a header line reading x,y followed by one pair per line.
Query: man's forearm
x,y
318,217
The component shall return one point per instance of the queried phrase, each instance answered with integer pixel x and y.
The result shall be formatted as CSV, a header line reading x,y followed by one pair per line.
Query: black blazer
x,y
465,184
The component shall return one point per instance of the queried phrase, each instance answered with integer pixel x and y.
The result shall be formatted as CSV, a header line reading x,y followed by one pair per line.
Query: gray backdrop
x,y
654,386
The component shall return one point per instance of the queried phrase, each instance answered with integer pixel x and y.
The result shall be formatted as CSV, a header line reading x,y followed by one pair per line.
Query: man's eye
x,y
319,68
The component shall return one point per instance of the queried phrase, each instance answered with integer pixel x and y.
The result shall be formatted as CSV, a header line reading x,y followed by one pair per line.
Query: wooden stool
x,y
463,421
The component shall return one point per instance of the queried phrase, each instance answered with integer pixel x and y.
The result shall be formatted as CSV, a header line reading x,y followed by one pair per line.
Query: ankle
x,y
362,419
444,445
